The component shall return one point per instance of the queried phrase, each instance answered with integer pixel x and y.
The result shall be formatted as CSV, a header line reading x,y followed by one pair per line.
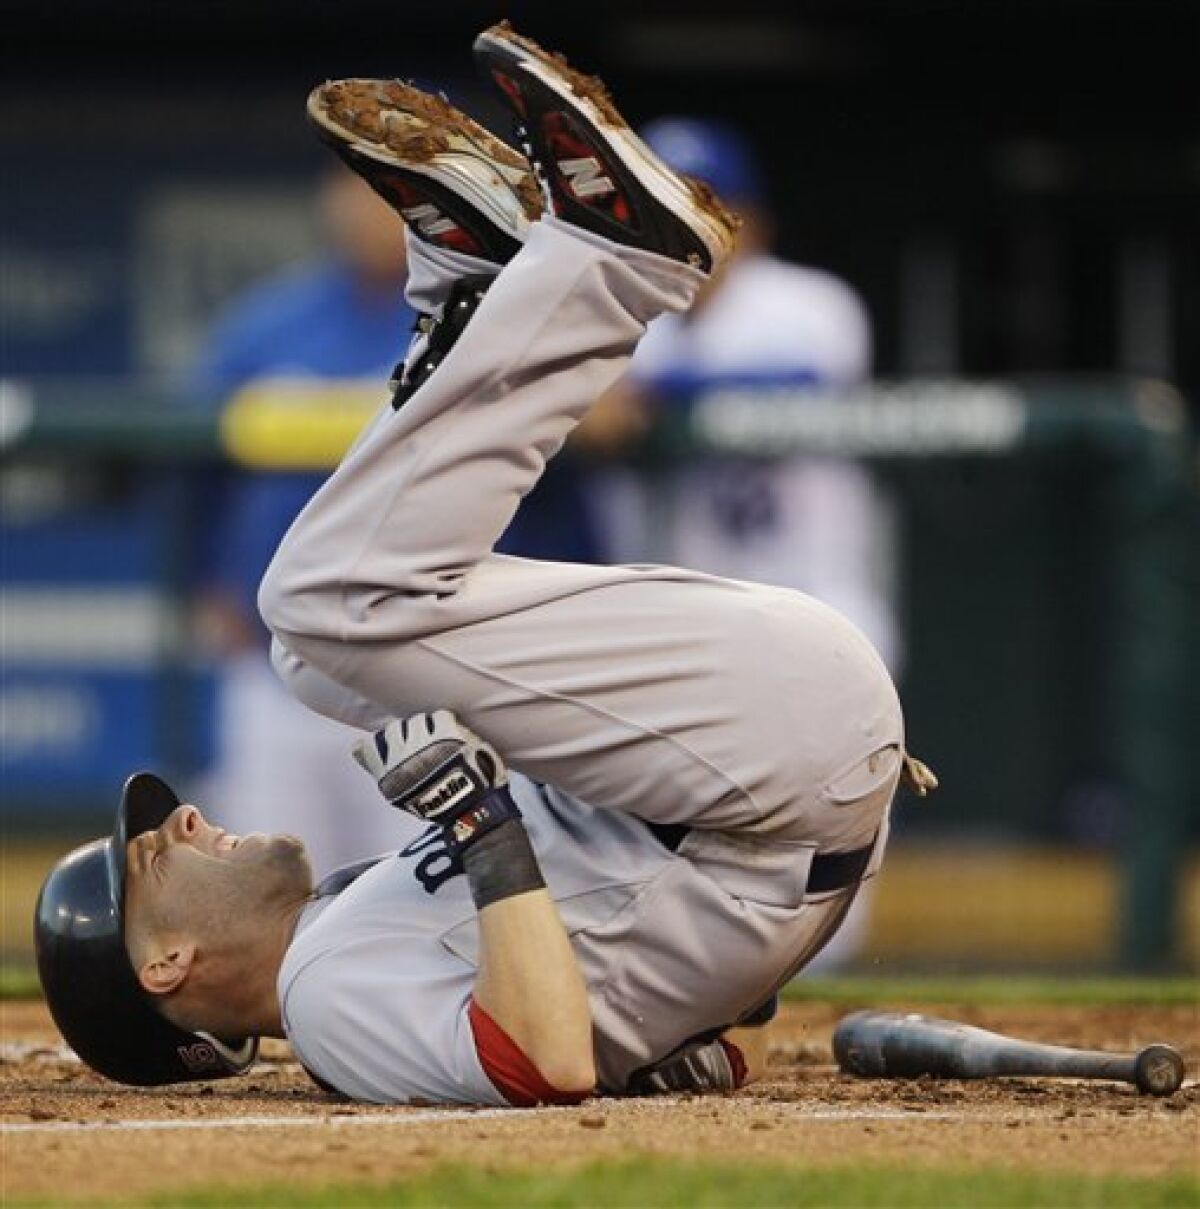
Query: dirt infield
x,y
70,1135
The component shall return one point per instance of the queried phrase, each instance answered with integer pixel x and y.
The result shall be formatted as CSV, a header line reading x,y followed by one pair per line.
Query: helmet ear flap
x,y
90,985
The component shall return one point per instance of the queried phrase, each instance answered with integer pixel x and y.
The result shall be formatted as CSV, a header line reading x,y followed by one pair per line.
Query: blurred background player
x,y
816,524
341,321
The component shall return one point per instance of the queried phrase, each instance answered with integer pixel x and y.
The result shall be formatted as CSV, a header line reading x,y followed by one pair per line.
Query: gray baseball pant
x,y
755,715
676,696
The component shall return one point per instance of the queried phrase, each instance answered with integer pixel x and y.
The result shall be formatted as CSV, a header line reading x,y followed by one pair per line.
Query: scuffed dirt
x,y
805,1113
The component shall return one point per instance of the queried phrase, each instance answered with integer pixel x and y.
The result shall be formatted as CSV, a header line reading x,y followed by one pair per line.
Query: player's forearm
x,y
530,983
530,1002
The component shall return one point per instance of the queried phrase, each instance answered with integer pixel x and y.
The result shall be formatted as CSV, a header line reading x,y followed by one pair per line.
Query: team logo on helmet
x,y
199,1057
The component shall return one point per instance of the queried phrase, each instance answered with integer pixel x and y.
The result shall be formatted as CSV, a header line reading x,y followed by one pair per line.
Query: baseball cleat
x,y
594,171
454,184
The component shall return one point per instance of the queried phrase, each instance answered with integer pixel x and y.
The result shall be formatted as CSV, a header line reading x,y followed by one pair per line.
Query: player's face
x,y
189,874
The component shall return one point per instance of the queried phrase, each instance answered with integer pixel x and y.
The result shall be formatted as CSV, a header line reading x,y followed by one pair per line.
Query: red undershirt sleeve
x,y
504,1063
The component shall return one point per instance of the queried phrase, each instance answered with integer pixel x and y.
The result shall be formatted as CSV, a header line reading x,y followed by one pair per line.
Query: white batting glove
x,y
431,765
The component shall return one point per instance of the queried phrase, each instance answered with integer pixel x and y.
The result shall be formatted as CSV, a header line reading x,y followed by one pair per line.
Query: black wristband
x,y
502,864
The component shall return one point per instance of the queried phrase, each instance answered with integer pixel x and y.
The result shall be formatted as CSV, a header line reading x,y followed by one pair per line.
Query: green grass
x,y
641,1184
19,982
1077,992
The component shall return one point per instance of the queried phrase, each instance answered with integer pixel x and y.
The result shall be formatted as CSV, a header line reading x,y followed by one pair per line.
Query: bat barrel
x,y
893,1044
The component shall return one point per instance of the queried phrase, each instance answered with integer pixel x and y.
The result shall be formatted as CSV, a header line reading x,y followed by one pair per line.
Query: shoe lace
x,y
539,171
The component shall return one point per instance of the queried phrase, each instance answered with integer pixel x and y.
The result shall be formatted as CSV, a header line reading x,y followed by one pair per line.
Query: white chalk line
x,y
424,1117
33,1051
337,1122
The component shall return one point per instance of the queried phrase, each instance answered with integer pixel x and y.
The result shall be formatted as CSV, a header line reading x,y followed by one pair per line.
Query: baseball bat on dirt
x,y
898,1044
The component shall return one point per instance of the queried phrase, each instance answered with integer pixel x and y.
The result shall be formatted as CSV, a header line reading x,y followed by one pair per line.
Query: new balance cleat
x,y
456,185
594,171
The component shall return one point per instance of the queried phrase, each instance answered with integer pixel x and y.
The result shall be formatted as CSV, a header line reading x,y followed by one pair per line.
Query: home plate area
x,y
69,1135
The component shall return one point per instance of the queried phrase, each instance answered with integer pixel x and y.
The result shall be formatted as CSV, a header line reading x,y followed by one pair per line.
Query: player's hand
x,y
431,765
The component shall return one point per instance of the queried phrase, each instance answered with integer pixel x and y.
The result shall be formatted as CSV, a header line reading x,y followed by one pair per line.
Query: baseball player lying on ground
x,y
703,769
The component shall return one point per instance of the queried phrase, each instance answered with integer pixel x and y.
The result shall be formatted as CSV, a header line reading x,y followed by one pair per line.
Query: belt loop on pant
x,y
670,835
833,871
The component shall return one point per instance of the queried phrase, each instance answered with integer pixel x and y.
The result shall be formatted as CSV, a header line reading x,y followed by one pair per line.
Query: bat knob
x,y
1158,1070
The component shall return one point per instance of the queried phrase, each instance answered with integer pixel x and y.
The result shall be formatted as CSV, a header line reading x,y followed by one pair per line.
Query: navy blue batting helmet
x,y
89,981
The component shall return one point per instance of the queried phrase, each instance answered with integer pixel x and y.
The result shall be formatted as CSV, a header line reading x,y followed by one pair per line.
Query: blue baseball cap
x,y
711,150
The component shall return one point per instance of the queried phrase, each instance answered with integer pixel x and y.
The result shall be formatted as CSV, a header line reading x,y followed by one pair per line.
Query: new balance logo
x,y
586,177
429,220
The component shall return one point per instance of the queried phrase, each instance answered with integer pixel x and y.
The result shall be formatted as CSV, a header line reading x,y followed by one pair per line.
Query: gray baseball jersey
x,y
376,984
756,716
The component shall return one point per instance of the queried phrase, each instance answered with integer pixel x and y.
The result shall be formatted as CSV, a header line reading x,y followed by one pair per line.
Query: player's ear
x,y
166,968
